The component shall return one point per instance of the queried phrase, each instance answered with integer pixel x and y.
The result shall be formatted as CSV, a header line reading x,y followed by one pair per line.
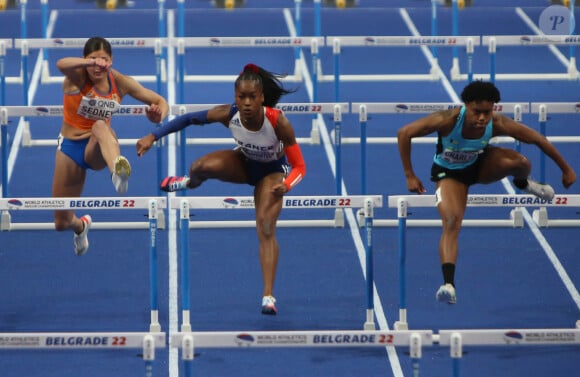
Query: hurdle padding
x,y
492,42
147,342
188,342
456,339
154,205
182,44
25,44
403,202
338,42
185,204
56,111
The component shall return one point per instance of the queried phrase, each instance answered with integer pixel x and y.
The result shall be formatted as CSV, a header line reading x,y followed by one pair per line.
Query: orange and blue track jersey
x,y
81,109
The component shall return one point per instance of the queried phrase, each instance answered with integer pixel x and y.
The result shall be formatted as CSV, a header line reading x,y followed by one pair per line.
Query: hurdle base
x,y
540,217
5,221
370,321
339,218
401,326
517,216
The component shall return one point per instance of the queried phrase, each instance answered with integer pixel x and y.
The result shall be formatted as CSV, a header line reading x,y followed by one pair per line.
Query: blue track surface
x,y
505,277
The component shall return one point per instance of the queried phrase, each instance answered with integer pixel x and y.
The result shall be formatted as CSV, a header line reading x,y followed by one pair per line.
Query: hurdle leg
x,y
402,324
415,352
187,354
148,354
456,350
368,213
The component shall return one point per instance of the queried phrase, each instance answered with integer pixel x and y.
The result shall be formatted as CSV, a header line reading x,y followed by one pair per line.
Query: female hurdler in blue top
x,y
264,138
464,157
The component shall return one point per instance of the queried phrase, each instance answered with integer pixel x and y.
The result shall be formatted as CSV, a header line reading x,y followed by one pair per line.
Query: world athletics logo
x,y
244,340
513,337
15,203
230,203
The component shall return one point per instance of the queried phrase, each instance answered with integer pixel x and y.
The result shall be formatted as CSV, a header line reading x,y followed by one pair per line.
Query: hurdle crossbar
x,y
82,340
532,41
394,41
181,44
484,200
292,202
316,338
83,203
77,43
57,111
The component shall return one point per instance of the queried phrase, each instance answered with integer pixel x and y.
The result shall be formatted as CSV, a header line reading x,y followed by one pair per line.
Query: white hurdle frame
x,y
152,204
184,204
434,74
181,44
189,341
25,44
148,342
403,202
532,41
56,111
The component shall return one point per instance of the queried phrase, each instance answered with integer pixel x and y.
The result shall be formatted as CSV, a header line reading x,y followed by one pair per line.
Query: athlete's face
x,y
249,99
103,63
478,113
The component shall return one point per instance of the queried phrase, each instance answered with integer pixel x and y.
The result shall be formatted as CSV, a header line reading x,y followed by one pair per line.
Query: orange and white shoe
x,y
81,241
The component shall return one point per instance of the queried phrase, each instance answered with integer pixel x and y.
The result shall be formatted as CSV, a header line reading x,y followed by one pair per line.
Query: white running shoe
x,y
446,293
121,173
81,240
269,305
542,191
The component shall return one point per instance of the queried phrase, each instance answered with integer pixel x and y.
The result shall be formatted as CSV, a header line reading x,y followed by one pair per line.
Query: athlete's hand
x,y
568,178
144,144
414,184
279,189
154,113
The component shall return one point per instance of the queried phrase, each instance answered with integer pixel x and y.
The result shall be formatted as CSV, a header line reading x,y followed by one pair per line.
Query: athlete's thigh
x,y
93,155
451,198
497,164
225,165
69,178
268,204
